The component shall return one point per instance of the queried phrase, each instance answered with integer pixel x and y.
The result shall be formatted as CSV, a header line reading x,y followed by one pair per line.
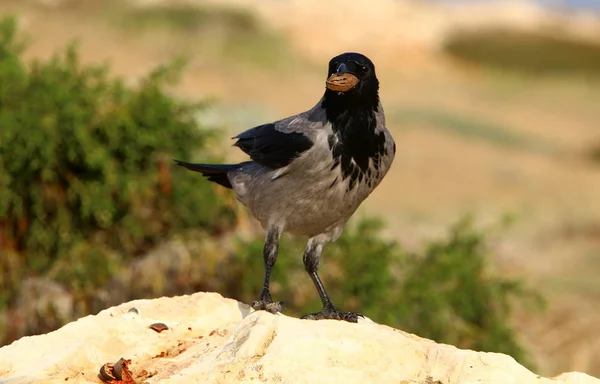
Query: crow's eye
x,y
364,68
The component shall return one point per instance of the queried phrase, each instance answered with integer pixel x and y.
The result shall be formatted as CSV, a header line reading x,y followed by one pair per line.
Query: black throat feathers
x,y
354,140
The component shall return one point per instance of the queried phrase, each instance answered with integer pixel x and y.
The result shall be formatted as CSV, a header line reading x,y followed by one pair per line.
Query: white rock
x,y
215,340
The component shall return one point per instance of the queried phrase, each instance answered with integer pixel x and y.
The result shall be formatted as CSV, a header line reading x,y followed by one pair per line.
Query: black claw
x,y
267,305
333,314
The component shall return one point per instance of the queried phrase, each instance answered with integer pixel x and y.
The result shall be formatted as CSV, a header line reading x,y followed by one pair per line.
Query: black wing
x,y
270,147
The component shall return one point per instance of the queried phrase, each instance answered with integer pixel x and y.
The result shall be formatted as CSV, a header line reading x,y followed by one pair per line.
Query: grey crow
x,y
309,172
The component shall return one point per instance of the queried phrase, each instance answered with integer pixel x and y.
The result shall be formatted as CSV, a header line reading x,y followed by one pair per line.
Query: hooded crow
x,y
309,172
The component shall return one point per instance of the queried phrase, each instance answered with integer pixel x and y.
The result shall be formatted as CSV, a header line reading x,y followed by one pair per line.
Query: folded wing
x,y
270,146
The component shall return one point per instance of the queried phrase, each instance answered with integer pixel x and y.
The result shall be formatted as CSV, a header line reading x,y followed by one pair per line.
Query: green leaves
x,y
85,165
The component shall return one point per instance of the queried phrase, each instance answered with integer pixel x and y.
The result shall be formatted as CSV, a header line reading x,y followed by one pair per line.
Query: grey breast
x,y
307,197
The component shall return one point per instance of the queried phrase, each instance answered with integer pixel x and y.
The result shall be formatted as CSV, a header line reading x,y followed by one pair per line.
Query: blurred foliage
x,y
87,186
449,294
446,293
229,32
188,18
86,170
526,52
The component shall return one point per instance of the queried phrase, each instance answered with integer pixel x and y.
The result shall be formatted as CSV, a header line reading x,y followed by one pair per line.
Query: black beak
x,y
342,68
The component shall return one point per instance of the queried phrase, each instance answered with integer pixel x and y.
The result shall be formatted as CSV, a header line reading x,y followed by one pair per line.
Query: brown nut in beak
x,y
341,82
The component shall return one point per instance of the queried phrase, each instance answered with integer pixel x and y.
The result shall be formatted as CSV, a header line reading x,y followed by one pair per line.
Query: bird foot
x,y
333,314
267,305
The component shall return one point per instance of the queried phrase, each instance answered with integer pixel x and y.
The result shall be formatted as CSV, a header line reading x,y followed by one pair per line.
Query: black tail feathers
x,y
214,172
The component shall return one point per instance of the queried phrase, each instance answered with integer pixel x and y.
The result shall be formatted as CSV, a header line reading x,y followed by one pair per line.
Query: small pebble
x,y
159,327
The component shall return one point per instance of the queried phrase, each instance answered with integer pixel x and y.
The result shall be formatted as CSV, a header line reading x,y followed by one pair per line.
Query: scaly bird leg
x,y
270,256
312,256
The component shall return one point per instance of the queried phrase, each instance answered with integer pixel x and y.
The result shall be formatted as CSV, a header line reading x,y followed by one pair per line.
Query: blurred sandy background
x,y
470,139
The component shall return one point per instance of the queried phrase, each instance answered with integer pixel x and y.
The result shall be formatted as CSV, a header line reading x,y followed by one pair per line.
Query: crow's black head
x,y
353,74
351,85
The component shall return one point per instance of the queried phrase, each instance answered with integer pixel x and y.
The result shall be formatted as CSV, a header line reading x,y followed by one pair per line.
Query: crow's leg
x,y
312,255
270,256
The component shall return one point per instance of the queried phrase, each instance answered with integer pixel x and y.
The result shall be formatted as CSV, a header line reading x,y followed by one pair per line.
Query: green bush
x,y
526,52
450,294
229,33
86,171
446,293
188,18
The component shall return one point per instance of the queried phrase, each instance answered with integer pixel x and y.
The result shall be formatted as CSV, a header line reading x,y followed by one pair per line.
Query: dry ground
x,y
450,159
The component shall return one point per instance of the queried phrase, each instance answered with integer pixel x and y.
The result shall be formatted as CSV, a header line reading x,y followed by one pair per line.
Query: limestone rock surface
x,y
211,339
